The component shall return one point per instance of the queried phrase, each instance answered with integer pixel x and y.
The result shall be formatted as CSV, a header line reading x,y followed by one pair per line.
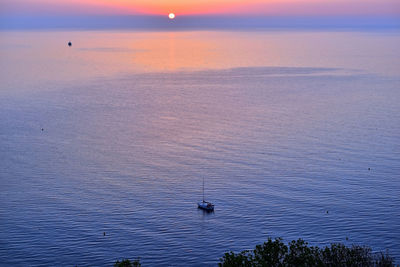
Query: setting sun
x,y
171,15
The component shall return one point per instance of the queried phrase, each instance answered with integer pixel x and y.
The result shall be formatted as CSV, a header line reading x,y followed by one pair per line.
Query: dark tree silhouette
x,y
299,254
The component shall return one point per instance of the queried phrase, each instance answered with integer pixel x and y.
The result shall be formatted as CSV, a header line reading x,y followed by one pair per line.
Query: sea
x,y
104,144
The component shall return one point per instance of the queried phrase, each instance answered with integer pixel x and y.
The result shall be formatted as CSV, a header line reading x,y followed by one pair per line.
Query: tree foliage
x,y
127,263
298,253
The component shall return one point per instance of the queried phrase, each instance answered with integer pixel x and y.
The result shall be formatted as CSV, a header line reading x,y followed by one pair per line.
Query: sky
x,y
202,7
198,14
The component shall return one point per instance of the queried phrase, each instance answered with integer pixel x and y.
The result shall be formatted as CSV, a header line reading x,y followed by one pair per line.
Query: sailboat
x,y
204,205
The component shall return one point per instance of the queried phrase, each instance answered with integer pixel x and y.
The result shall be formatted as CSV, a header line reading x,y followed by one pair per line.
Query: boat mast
x,y
203,189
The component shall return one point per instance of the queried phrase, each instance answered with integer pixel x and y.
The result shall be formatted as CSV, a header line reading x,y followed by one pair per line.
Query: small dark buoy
x,y
327,211
104,233
347,238
369,169
69,44
42,129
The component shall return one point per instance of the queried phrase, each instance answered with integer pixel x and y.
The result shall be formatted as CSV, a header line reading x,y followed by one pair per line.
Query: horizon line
x,y
187,22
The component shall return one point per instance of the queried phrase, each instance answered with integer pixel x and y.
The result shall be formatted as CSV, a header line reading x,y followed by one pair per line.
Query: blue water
x,y
308,150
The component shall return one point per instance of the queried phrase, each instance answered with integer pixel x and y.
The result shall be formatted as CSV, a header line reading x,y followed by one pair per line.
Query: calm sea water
x,y
297,135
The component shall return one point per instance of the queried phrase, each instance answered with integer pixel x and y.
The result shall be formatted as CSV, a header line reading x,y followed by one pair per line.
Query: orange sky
x,y
187,7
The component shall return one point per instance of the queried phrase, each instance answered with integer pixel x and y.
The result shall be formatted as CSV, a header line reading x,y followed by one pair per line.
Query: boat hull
x,y
206,206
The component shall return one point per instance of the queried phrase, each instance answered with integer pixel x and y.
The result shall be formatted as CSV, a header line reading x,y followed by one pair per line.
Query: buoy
x,y
327,211
104,233
69,44
369,169
42,129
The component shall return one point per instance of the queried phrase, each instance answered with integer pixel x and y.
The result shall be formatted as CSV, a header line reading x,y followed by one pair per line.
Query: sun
x,y
171,15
